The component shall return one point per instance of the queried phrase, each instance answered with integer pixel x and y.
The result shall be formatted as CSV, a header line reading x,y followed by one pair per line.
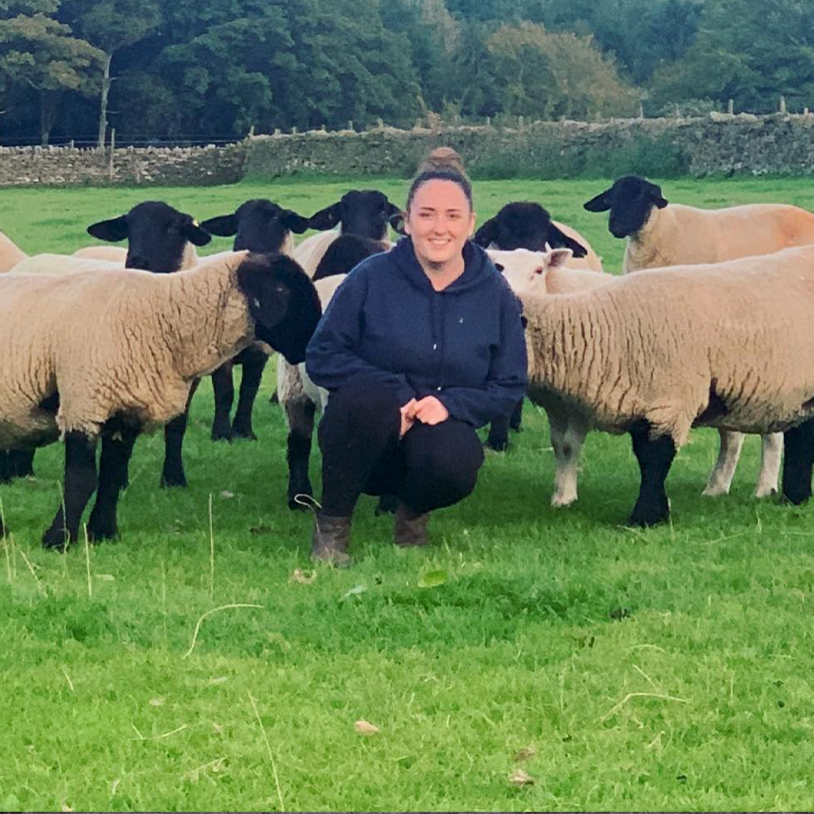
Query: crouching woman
x,y
419,347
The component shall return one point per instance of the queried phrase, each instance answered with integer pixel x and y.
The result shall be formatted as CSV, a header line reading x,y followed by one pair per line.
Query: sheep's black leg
x,y
80,483
172,473
387,504
798,457
300,429
516,417
21,463
224,391
498,438
253,366
655,456
5,467
117,447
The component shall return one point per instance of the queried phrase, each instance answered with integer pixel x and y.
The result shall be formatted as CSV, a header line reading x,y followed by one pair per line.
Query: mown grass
x,y
667,669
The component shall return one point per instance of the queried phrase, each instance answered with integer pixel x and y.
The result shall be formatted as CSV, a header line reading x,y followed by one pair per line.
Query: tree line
x,y
205,69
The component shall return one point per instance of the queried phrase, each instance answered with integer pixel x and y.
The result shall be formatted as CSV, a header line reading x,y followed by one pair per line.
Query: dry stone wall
x,y
718,144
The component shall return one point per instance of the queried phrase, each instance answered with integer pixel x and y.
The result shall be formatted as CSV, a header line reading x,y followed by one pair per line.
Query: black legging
x,y
429,468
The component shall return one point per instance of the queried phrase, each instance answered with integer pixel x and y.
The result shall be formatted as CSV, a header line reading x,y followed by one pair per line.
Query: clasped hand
x,y
428,410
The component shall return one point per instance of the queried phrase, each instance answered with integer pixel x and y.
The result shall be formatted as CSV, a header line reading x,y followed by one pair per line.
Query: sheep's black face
x,y
525,225
346,252
282,302
361,212
630,201
157,235
258,225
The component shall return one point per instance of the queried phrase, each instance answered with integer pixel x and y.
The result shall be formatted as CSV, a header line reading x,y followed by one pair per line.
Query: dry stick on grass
x,y
158,737
271,755
209,613
87,561
641,695
33,574
211,552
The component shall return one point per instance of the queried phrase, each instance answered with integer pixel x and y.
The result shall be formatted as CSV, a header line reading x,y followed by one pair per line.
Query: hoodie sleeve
x,y
331,358
508,374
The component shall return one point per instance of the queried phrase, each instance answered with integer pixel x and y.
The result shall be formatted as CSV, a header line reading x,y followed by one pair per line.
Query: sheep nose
x,y
135,261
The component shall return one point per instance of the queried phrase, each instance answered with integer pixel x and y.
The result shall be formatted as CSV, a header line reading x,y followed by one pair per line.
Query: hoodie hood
x,y
478,268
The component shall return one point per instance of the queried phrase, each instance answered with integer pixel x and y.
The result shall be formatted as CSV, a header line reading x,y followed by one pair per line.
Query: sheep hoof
x,y
765,491
387,505
220,433
715,491
55,538
246,435
649,513
560,501
497,444
301,500
102,529
171,480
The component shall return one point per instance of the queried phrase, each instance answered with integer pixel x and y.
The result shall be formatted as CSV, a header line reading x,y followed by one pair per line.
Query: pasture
x,y
530,659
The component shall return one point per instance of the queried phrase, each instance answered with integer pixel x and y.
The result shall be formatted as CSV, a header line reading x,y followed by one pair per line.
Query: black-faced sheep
x,y
132,365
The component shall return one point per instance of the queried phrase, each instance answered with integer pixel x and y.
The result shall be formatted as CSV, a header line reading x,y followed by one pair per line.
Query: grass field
x,y
613,668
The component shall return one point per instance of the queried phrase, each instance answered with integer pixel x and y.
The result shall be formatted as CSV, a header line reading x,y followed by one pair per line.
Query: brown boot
x,y
330,540
411,528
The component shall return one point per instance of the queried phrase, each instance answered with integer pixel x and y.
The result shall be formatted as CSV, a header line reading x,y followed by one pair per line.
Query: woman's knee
x,y
448,456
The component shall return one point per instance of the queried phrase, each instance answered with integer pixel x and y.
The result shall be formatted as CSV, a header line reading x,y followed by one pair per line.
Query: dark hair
x,y
440,175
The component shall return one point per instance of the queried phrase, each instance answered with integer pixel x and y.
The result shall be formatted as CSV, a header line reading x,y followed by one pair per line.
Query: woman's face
x,y
439,221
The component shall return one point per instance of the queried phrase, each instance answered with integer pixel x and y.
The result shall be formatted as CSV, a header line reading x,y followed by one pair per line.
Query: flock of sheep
x,y
711,330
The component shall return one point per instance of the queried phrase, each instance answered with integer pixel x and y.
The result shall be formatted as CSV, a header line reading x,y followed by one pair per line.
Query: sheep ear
x,y
294,221
601,203
560,239
660,202
326,218
195,234
223,225
558,258
488,233
396,222
268,298
112,230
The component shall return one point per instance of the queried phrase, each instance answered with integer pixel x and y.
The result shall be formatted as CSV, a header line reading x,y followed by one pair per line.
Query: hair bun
x,y
442,158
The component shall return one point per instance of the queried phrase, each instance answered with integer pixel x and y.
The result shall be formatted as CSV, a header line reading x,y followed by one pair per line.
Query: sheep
x,y
527,225
160,239
729,348
258,225
116,254
660,234
359,212
299,397
131,366
10,254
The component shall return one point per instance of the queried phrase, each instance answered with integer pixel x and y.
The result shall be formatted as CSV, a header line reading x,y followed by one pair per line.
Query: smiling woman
x,y
419,347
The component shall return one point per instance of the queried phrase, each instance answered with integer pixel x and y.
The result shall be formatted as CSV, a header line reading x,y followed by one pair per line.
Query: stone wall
x,y
176,166
724,144
718,144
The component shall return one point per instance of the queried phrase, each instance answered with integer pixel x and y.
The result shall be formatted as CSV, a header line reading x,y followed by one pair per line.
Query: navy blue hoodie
x,y
464,345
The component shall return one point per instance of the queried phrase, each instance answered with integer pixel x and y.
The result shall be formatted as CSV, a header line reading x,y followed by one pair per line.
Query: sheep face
x,y
630,200
360,212
157,236
258,225
282,302
525,225
346,252
525,271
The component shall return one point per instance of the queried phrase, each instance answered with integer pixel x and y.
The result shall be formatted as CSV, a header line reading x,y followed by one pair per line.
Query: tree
x,y
555,75
39,52
110,25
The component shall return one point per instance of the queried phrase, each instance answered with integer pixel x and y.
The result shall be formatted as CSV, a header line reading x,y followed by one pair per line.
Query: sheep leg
x,y
798,458
80,484
300,414
117,447
720,479
771,456
498,438
253,368
655,456
172,473
387,504
21,463
516,417
224,392
5,467
567,437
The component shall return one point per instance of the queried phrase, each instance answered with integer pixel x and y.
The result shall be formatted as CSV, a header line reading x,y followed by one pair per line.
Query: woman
x,y
419,347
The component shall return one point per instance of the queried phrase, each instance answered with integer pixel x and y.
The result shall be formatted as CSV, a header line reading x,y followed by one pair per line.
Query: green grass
x,y
667,669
